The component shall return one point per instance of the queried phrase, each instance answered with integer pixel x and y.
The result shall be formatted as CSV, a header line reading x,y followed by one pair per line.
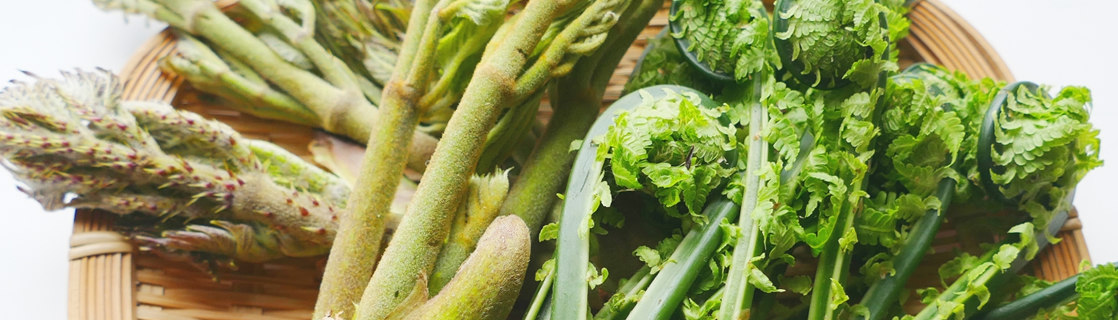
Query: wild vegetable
x,y
930,127
785,159
74,143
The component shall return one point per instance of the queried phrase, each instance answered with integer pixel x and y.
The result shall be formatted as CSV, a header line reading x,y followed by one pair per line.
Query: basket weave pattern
x,y
110,280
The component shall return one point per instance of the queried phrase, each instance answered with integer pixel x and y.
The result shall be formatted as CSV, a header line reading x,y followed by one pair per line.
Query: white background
x,y
1068,42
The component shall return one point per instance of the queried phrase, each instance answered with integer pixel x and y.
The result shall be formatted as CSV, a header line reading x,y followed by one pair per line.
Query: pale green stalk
x,y
419,238
302,37
339,102
476,213
205,70
488,283
737,299
357,245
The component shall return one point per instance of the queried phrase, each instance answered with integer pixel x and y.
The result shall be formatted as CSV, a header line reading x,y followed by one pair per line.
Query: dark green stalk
x,y
573,252
667,291
885,291
957,292
832,268
541,301
1054,295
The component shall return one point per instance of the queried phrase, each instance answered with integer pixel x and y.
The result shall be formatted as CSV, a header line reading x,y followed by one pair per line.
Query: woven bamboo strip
x,y
944,37
959,37
988,54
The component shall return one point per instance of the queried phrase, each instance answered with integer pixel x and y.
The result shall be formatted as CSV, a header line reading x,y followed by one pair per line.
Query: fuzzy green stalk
x,y
494,86
476,213
549,165
416,243
359,238
737,299
357,245
488,283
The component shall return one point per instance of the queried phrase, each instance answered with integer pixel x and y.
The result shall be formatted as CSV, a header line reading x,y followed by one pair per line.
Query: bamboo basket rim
x,y
109,279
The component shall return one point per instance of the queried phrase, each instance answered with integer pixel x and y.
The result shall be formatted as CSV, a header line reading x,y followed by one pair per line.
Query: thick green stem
x,y
357,245
480,208
737,299
419,238
628,294
358,242
1022,308
542,295
488,283
549,164
884,293
671,284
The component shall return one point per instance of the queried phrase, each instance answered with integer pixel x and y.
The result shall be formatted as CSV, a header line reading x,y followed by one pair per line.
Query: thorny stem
x,y
148,158
418,239
549,164
357,245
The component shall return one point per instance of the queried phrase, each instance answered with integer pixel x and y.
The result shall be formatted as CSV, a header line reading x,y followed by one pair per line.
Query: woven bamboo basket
x,y
110,280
